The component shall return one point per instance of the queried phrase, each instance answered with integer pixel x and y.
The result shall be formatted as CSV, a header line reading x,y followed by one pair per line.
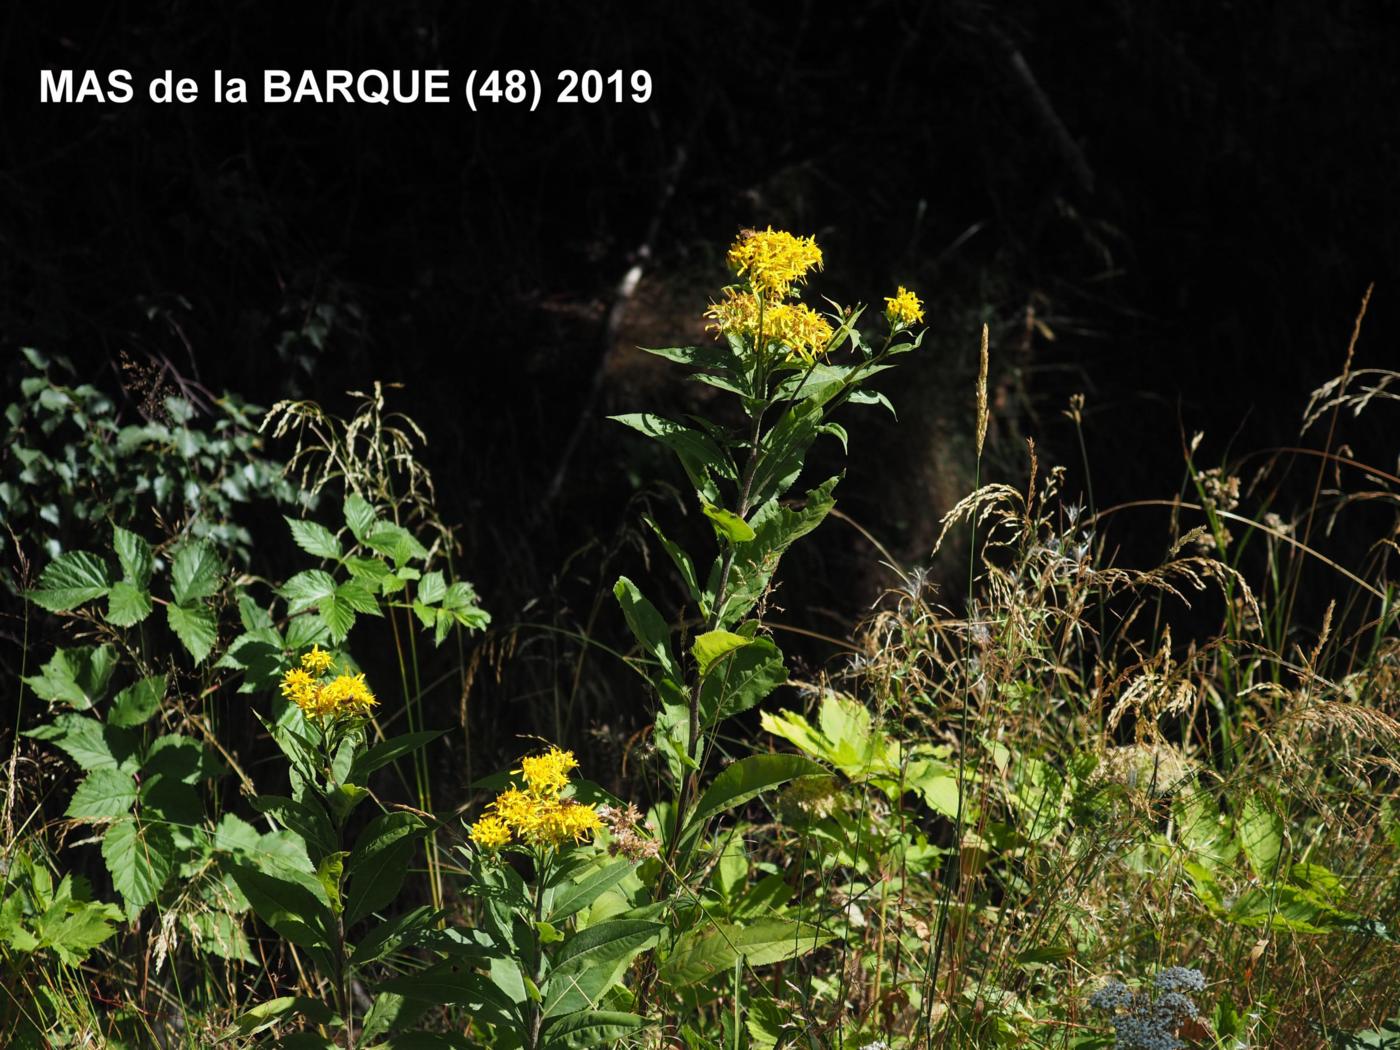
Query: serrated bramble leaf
x,y
359,516
104,794
195,572
135,704
127,604
134,554
70,580
396,542
431,587
89,743
139,858
307,589
195,626
314,538
77,677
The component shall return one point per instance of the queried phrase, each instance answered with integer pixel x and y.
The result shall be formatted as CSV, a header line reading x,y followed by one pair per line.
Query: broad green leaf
x,y
742,681
134,554
784,452
432,587
77,677
588,1028
379,863
390,750
728,524
359,516
307,589
712,645
1261,835
396,542
712,948
650,630
195,572
700,456
140,857
682,562
573,897
265,1015
127,604
135,704
103,795
1206,834
70,580
590,961
451,983
388,937
289,900
776,528
314,538
746,779
90,743
195,626
306,818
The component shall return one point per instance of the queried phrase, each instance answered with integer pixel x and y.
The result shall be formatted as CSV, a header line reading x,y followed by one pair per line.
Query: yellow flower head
x,y
490,833
547,774
903,308
300,688
518,810
804,332
317,662
773,261
563,820
347,695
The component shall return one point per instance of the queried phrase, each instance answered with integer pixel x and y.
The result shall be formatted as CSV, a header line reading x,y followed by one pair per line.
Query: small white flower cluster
x,y
1145,1021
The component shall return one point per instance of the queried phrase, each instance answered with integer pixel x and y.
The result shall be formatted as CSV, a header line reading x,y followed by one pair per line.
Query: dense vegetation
x,y
1074,803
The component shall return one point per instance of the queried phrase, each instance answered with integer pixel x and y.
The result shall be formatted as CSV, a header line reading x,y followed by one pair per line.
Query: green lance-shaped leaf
x,y
379,863
587,1028
747,779
289,900
703,459
776,528
728,524
712,948
650,630
741,681
306,818
588,963
265,1015
71,579
390,750
712,645
573,897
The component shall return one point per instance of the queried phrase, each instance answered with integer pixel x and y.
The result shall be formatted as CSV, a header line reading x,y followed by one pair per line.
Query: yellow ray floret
x,y
317,662
903,308
547,774
491,833
300,688
347,695
805,333
773,261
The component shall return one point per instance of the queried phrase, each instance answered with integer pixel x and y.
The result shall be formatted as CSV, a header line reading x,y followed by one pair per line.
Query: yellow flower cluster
x,y
772,263
344,695
800,328
537,816
903,308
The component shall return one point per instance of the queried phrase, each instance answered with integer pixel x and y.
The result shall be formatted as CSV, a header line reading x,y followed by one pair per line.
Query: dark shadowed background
x,y
1172,207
